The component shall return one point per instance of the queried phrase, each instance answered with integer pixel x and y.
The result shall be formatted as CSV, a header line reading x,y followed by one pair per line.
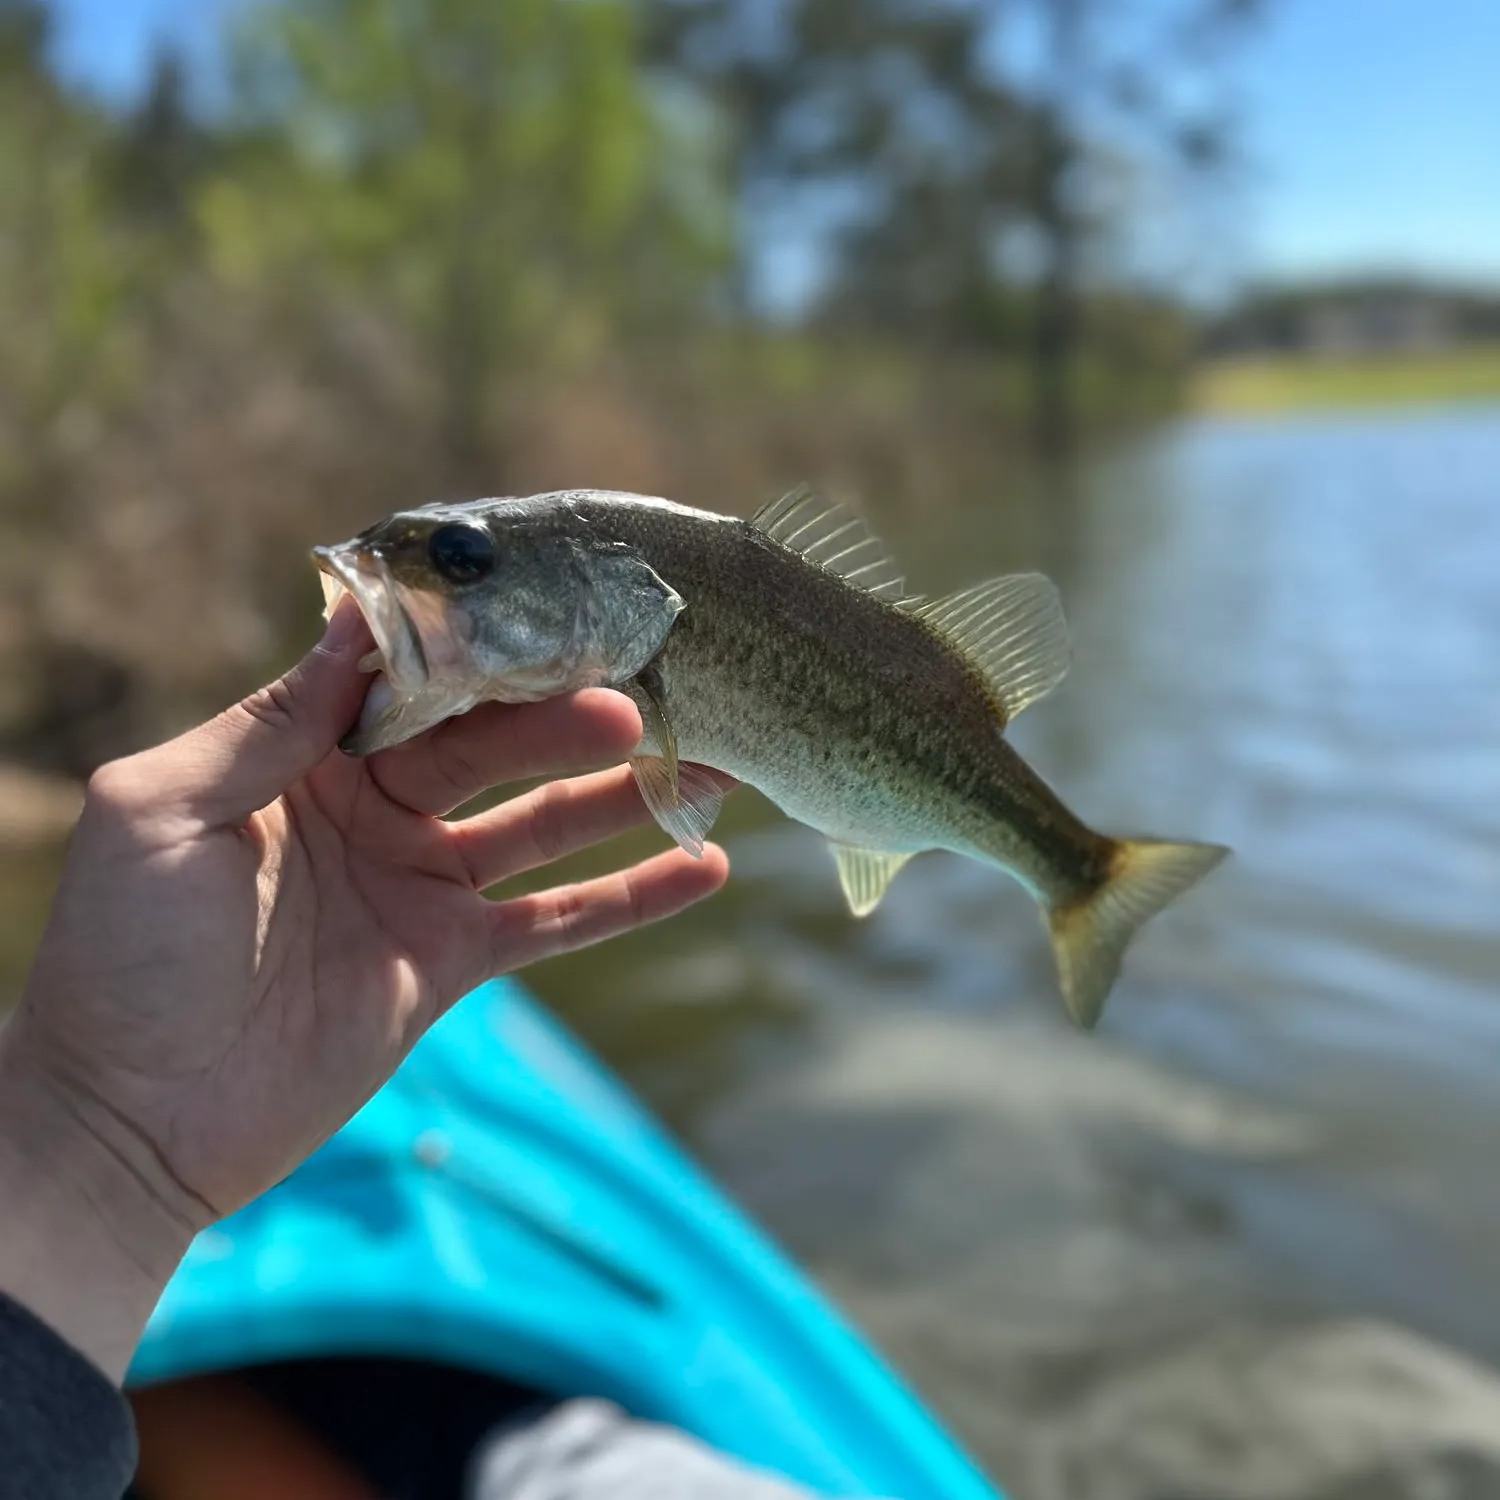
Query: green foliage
x,y
448,247
64,267
495,175
971,208
884,108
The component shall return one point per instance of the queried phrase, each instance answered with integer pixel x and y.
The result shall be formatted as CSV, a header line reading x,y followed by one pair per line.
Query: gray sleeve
x,y
591,1450
65,1429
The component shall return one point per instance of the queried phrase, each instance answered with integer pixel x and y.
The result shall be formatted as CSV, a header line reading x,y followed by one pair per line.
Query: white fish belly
x,y
815,786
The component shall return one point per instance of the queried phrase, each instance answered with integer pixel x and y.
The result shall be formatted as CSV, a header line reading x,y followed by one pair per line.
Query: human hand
x,y
251,932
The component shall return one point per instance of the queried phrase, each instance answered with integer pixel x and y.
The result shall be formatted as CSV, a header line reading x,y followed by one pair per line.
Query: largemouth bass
x,y
783,650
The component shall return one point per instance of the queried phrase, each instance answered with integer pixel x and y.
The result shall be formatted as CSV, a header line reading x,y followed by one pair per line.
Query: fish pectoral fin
x,y
655,725
1013,629
832,536
865,875
683,798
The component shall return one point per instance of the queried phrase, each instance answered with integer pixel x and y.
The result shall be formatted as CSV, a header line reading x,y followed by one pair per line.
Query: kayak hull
x,y
505,1205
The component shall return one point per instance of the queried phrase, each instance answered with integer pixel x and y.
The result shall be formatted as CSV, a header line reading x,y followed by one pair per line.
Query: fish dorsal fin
x,y
835,538
1013,629
865,875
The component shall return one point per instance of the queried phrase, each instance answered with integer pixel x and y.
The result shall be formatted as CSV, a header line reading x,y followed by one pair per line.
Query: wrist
x,y
85,1243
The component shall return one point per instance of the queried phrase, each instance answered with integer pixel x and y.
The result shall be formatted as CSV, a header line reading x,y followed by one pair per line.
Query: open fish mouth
x,y
363,573
425,674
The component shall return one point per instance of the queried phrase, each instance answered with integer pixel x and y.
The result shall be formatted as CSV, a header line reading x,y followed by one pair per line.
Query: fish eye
x,y
462,554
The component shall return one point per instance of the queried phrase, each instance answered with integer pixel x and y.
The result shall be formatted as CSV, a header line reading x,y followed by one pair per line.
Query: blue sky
x,y
108,43
1374,124
1377,128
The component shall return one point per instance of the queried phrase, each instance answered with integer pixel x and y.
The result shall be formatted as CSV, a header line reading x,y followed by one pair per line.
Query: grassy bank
x,y
1303,382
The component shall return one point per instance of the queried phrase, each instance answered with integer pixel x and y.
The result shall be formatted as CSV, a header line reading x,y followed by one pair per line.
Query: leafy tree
x,y
62,269
883,118
975,202
493,174
1141,78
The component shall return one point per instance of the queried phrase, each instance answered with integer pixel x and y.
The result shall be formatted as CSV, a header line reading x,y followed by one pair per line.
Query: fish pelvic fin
x,y
685,799
1012,629
865,875
1090,936
651,701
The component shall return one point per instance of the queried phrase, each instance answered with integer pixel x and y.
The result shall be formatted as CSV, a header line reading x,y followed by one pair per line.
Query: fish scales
x,y
777,665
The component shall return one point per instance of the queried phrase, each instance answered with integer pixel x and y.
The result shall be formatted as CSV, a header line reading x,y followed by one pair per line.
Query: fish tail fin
x,y
1090,935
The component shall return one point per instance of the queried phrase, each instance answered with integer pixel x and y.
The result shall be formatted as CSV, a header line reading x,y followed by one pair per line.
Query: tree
x,y
967,196
494,174
881,117
161,152
64,267
1112,72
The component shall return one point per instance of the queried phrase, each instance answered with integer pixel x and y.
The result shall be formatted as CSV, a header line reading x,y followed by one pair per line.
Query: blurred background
x,y
1194,304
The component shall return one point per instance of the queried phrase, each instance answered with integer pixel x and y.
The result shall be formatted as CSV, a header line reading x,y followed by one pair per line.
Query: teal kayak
x,y
505,1205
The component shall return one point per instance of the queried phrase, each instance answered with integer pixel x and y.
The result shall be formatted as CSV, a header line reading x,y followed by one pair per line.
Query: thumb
x,y
247,756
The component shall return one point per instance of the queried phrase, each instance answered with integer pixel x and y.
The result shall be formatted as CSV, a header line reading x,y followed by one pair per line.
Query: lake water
x,y
1102,1257
1286,638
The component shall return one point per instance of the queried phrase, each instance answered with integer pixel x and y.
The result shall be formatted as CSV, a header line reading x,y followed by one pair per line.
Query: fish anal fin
x,y
685,800
834,538
1012,629
1090,936
865,875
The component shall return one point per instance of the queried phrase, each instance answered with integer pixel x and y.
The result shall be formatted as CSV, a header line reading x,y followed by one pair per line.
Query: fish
x,y
784,651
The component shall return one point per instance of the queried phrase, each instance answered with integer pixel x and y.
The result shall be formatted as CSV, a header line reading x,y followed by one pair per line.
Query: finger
x,y
530,928
554,821
542,826
245,757
500,742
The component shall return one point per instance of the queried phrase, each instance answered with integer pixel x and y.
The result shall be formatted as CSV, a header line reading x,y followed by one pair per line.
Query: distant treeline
x,y
428,248
1372,314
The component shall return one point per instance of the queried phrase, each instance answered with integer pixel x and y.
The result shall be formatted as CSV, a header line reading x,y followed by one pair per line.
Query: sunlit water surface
x,y
1285,638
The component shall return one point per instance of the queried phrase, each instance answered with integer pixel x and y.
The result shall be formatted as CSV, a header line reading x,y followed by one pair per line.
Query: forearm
x,y
83,1243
